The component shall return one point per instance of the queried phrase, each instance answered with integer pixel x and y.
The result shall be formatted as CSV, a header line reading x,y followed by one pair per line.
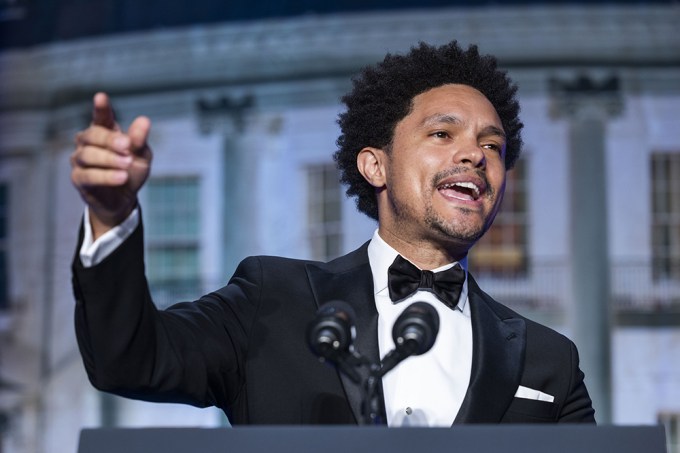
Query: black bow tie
x,y
404,279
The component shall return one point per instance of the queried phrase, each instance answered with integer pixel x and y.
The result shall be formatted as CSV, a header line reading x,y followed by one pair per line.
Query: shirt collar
x,y
381,256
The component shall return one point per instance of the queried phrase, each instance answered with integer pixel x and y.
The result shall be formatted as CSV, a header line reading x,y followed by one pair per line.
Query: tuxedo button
x,y
409,411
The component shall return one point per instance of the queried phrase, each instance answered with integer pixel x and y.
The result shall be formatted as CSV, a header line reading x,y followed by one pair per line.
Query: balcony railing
x,y
547,287
637,286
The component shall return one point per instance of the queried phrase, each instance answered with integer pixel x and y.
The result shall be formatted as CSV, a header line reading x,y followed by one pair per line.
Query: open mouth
x,y
463,190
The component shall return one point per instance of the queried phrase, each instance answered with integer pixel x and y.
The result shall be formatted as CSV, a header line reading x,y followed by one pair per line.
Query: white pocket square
x,y
531,394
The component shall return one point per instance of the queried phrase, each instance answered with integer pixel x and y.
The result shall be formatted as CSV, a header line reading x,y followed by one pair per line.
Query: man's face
x,y
445,171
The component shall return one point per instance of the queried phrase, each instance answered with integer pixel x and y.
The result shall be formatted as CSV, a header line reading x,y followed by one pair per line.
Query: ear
x,y
371,164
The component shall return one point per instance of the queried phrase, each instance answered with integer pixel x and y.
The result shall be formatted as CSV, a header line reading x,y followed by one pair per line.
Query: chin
x,y
458,232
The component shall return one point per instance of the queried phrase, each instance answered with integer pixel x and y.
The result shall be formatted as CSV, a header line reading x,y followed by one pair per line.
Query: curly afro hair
x,y
383,95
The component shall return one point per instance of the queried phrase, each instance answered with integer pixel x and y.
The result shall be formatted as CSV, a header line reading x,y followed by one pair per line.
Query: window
x,y
665,174
324,212
503,250
172,231
4,211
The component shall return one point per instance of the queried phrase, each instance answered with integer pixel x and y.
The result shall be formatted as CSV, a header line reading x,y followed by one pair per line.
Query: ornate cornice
x,y
582,96
315,47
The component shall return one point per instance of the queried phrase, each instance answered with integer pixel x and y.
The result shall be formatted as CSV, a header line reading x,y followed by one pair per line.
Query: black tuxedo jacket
x,y
242,348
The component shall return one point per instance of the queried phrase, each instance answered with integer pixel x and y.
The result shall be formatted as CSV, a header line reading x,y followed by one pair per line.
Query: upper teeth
x,y
466,184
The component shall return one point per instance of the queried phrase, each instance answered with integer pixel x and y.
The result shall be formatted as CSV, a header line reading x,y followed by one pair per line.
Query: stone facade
x,y
291,73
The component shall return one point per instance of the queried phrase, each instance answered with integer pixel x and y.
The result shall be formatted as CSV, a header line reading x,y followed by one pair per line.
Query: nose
x,y
469,152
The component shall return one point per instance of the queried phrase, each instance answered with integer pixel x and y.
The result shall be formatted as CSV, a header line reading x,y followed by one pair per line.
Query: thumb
x,y
139,133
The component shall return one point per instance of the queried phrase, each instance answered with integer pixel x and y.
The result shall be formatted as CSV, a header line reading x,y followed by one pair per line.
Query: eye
x,y
440,134
493,147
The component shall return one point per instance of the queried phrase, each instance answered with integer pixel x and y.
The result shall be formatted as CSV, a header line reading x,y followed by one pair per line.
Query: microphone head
x,y
416,328
332,331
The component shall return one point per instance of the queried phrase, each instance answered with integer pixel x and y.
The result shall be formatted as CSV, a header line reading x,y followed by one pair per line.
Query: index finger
x,y
102,112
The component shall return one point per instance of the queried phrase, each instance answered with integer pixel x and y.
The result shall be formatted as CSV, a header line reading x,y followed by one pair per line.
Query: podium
x,y
352,439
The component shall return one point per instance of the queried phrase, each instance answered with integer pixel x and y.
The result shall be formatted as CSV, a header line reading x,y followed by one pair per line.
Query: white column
x,y
587,104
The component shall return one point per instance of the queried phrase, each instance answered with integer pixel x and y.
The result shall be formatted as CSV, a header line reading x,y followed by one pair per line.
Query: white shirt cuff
x,y
94,252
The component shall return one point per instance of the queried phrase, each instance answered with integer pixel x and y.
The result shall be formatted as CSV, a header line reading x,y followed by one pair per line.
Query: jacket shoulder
x,y
534,328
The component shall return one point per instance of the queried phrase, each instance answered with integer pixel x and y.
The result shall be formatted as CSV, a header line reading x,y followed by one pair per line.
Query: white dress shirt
x,y
424,390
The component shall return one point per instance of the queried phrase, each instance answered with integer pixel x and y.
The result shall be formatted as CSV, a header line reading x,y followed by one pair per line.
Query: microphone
x,y
416,329
331,334
414,333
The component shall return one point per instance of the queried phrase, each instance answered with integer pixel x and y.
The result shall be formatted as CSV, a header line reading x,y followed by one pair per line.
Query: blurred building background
x,y
243,100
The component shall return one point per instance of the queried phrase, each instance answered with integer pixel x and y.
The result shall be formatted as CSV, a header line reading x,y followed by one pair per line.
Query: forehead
x,y
460,100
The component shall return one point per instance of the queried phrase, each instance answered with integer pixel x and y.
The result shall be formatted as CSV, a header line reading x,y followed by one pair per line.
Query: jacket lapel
x,y
499,341
349,279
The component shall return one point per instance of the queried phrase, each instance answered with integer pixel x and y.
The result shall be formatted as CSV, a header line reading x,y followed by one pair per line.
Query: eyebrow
x,y
493,130
443,118
439,118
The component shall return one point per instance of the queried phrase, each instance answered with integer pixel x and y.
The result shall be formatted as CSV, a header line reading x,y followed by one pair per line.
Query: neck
x,y
424,253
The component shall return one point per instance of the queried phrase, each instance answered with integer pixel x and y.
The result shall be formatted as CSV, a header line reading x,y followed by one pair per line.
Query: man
x,y
426,141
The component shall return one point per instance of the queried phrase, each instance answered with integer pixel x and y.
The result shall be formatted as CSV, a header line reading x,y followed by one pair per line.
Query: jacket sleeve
x,y
577,407
191,353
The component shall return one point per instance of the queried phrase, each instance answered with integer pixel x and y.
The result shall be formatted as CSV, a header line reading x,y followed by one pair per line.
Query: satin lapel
x,y
349,279
498,359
